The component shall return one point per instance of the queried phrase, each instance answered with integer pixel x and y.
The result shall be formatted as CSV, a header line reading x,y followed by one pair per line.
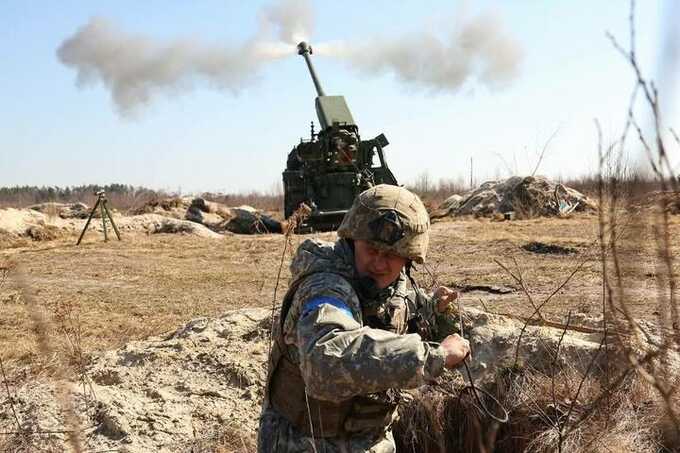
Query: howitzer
x,y
333,166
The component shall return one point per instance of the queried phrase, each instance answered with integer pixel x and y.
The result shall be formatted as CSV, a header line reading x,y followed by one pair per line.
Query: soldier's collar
x,y
369,293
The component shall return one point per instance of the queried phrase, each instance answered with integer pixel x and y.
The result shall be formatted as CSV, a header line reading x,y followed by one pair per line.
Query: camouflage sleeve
x,y
341,358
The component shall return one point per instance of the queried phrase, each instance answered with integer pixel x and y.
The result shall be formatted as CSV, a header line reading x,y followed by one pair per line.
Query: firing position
x,y
352,332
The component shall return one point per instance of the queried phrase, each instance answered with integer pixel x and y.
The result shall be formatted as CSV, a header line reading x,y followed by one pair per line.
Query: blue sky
x,y
55,133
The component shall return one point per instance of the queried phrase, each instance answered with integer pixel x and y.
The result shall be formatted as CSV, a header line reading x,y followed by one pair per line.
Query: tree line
x,y
22,196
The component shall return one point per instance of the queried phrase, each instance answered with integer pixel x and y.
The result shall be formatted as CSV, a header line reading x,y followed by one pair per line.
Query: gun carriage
x,y
328,170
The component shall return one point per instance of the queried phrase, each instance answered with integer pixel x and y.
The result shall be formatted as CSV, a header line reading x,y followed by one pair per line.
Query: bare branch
x,y
9,395
543,151
520,281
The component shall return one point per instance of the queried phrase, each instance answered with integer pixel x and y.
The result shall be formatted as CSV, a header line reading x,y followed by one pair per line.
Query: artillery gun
x,y
328,170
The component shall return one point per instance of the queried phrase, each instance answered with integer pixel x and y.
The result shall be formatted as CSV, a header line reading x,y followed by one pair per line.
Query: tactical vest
x,y
286,387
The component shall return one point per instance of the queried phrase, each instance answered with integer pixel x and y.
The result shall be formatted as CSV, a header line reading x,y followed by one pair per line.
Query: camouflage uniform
x,y
348,340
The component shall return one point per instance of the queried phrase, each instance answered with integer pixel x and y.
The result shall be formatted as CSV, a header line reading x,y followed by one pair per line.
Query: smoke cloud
x,y
479,50
294,20
136,68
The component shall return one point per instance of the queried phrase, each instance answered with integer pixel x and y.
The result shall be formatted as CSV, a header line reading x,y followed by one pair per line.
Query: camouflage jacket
x,y
347,344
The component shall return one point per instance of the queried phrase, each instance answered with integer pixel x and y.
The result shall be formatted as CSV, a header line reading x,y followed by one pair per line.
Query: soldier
x,y
351,332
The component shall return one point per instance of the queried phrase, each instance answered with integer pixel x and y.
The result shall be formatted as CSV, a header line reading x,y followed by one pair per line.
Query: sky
x,y
201,135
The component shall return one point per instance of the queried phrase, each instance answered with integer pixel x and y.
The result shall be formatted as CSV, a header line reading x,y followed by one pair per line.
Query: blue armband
x,y
316,302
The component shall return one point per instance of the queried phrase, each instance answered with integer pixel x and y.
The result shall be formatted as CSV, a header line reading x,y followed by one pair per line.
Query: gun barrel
x,y
305,50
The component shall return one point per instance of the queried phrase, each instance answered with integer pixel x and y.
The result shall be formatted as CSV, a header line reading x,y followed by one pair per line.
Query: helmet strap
x,y
423,326
414,284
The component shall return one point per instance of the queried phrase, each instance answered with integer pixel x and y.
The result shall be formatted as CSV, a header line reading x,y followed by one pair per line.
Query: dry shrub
x,y
27,442
9,240
44,232
652,350
545,416
434,193
227,439
233,441
167,204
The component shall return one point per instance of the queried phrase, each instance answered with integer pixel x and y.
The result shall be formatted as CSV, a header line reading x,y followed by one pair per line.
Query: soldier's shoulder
x,y
315,255
321,285
315,245
325,284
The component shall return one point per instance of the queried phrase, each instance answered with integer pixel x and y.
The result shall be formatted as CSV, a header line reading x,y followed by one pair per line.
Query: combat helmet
x,y
391,218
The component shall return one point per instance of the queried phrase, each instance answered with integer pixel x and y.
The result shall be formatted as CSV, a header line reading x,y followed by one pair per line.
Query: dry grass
x,y
233,441
106,294
141,286
146,285
102,295
566,411
227,439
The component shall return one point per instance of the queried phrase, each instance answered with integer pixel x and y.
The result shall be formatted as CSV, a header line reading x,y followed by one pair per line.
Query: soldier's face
x,y
384,268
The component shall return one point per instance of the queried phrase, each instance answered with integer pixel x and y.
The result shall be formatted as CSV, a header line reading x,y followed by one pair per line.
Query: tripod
x,y
101,203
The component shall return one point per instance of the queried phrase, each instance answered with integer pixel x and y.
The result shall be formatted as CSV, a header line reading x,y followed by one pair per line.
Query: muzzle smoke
x,y
137,69
293,18
479,50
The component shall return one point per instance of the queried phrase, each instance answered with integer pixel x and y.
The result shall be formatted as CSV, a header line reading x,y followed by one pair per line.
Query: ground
x,y
145,285
151,324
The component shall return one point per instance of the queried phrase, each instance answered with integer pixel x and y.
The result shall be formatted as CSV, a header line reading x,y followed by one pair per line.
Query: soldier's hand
x,y
445,299
456,348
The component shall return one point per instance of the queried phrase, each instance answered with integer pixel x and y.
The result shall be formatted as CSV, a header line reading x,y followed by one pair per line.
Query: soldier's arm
x,y
341,358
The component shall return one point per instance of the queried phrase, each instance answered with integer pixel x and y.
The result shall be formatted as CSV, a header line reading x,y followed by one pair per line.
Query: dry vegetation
x,y
102,295
129,199
145,285
75,301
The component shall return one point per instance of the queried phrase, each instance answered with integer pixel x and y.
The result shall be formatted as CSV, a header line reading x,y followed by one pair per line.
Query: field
x,y
148,284
105,296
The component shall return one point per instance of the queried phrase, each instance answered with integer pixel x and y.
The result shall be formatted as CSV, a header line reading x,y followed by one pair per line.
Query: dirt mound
x,y
44,232
155,223
524,197
168,393
16,225
208,213
17,221
63,210
215,216
175,207
248,220
668,201
239,220
163,394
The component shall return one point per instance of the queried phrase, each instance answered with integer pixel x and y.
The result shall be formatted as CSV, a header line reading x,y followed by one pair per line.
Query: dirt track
x,y
148,284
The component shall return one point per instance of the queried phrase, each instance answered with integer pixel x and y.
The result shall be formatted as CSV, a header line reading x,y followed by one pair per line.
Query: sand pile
x,y
156,223
18,224
163,394
168,207
171,392
194,216
215,216
63,210
239,220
